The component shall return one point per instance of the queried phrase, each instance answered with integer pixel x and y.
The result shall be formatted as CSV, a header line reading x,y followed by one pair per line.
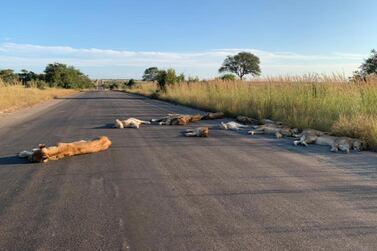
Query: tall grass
x,y
13,97
329,103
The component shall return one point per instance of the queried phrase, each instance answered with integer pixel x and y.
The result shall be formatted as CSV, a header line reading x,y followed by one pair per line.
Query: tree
x,y
130,83
242,64
228,77
27,76
168,77
8,76
171,77
161,80
180,78
150,74
370,65
61,75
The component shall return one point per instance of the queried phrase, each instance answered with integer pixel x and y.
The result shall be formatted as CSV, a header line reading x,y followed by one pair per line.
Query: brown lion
x,y
44,154
177,119
197,132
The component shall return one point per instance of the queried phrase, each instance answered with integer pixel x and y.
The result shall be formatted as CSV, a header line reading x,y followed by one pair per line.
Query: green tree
x,y
161,79
242,64
228,77
131,83
180,78
8,76
61,75
171,77
370,64
150,74
27,76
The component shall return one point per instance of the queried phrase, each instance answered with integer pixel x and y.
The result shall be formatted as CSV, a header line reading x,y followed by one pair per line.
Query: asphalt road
x,y
157,190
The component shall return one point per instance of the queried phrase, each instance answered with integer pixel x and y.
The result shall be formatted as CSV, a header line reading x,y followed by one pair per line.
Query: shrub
x,y
228,77
161,80
131,83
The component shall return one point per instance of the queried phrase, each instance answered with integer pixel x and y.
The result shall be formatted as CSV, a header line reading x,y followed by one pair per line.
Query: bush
x,y
8,77
228,77
131,83
171,77
193,79
161,80
113,86
40,84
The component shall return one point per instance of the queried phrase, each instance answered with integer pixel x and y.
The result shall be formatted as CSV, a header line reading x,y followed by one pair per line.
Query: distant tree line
x,y
54,75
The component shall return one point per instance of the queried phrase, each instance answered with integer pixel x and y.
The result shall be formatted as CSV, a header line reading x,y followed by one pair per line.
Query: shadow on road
x,y
105,126
13,160
98,98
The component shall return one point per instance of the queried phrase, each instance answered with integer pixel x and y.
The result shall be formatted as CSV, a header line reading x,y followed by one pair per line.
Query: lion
x,y
177,119
213,115
279,130
307,136
270,122
232,126
197,132
130,123
43,154
344,144
246,120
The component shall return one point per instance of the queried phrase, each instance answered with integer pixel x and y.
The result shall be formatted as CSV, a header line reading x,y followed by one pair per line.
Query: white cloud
x,y
101,63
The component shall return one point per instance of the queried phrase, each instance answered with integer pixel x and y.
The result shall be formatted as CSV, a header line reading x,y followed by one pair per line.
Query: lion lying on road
x,y
130,123
344,144
44,154
197,132
232,126
213,115
246,120
177,119
278,130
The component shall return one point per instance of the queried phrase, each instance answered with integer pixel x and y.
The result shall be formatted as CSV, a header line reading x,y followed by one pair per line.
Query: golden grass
x,y
14,97
321,102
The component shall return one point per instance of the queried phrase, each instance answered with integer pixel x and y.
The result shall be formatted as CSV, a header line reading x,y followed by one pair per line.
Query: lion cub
x,y
197,132
130,123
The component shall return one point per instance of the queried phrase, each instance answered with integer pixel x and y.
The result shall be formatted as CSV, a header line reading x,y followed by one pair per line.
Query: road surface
x,y
157,190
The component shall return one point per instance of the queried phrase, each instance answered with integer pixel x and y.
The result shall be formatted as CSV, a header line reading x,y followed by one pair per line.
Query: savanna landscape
x,y
192,125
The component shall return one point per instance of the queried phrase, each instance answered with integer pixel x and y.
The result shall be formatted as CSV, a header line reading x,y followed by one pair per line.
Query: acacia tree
x,y
150,74
242,64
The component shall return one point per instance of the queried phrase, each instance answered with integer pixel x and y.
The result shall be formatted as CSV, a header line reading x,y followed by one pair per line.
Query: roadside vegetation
x,y
342,106
14,97
26,88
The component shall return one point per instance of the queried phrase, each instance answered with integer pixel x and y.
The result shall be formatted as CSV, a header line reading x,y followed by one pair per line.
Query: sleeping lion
x,y
177,119
44,154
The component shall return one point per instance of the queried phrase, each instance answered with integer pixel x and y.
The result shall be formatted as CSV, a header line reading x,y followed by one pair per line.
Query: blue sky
x,y
111,38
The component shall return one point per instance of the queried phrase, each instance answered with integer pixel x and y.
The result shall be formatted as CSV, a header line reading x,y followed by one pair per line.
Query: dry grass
x,y
329,103
14,97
